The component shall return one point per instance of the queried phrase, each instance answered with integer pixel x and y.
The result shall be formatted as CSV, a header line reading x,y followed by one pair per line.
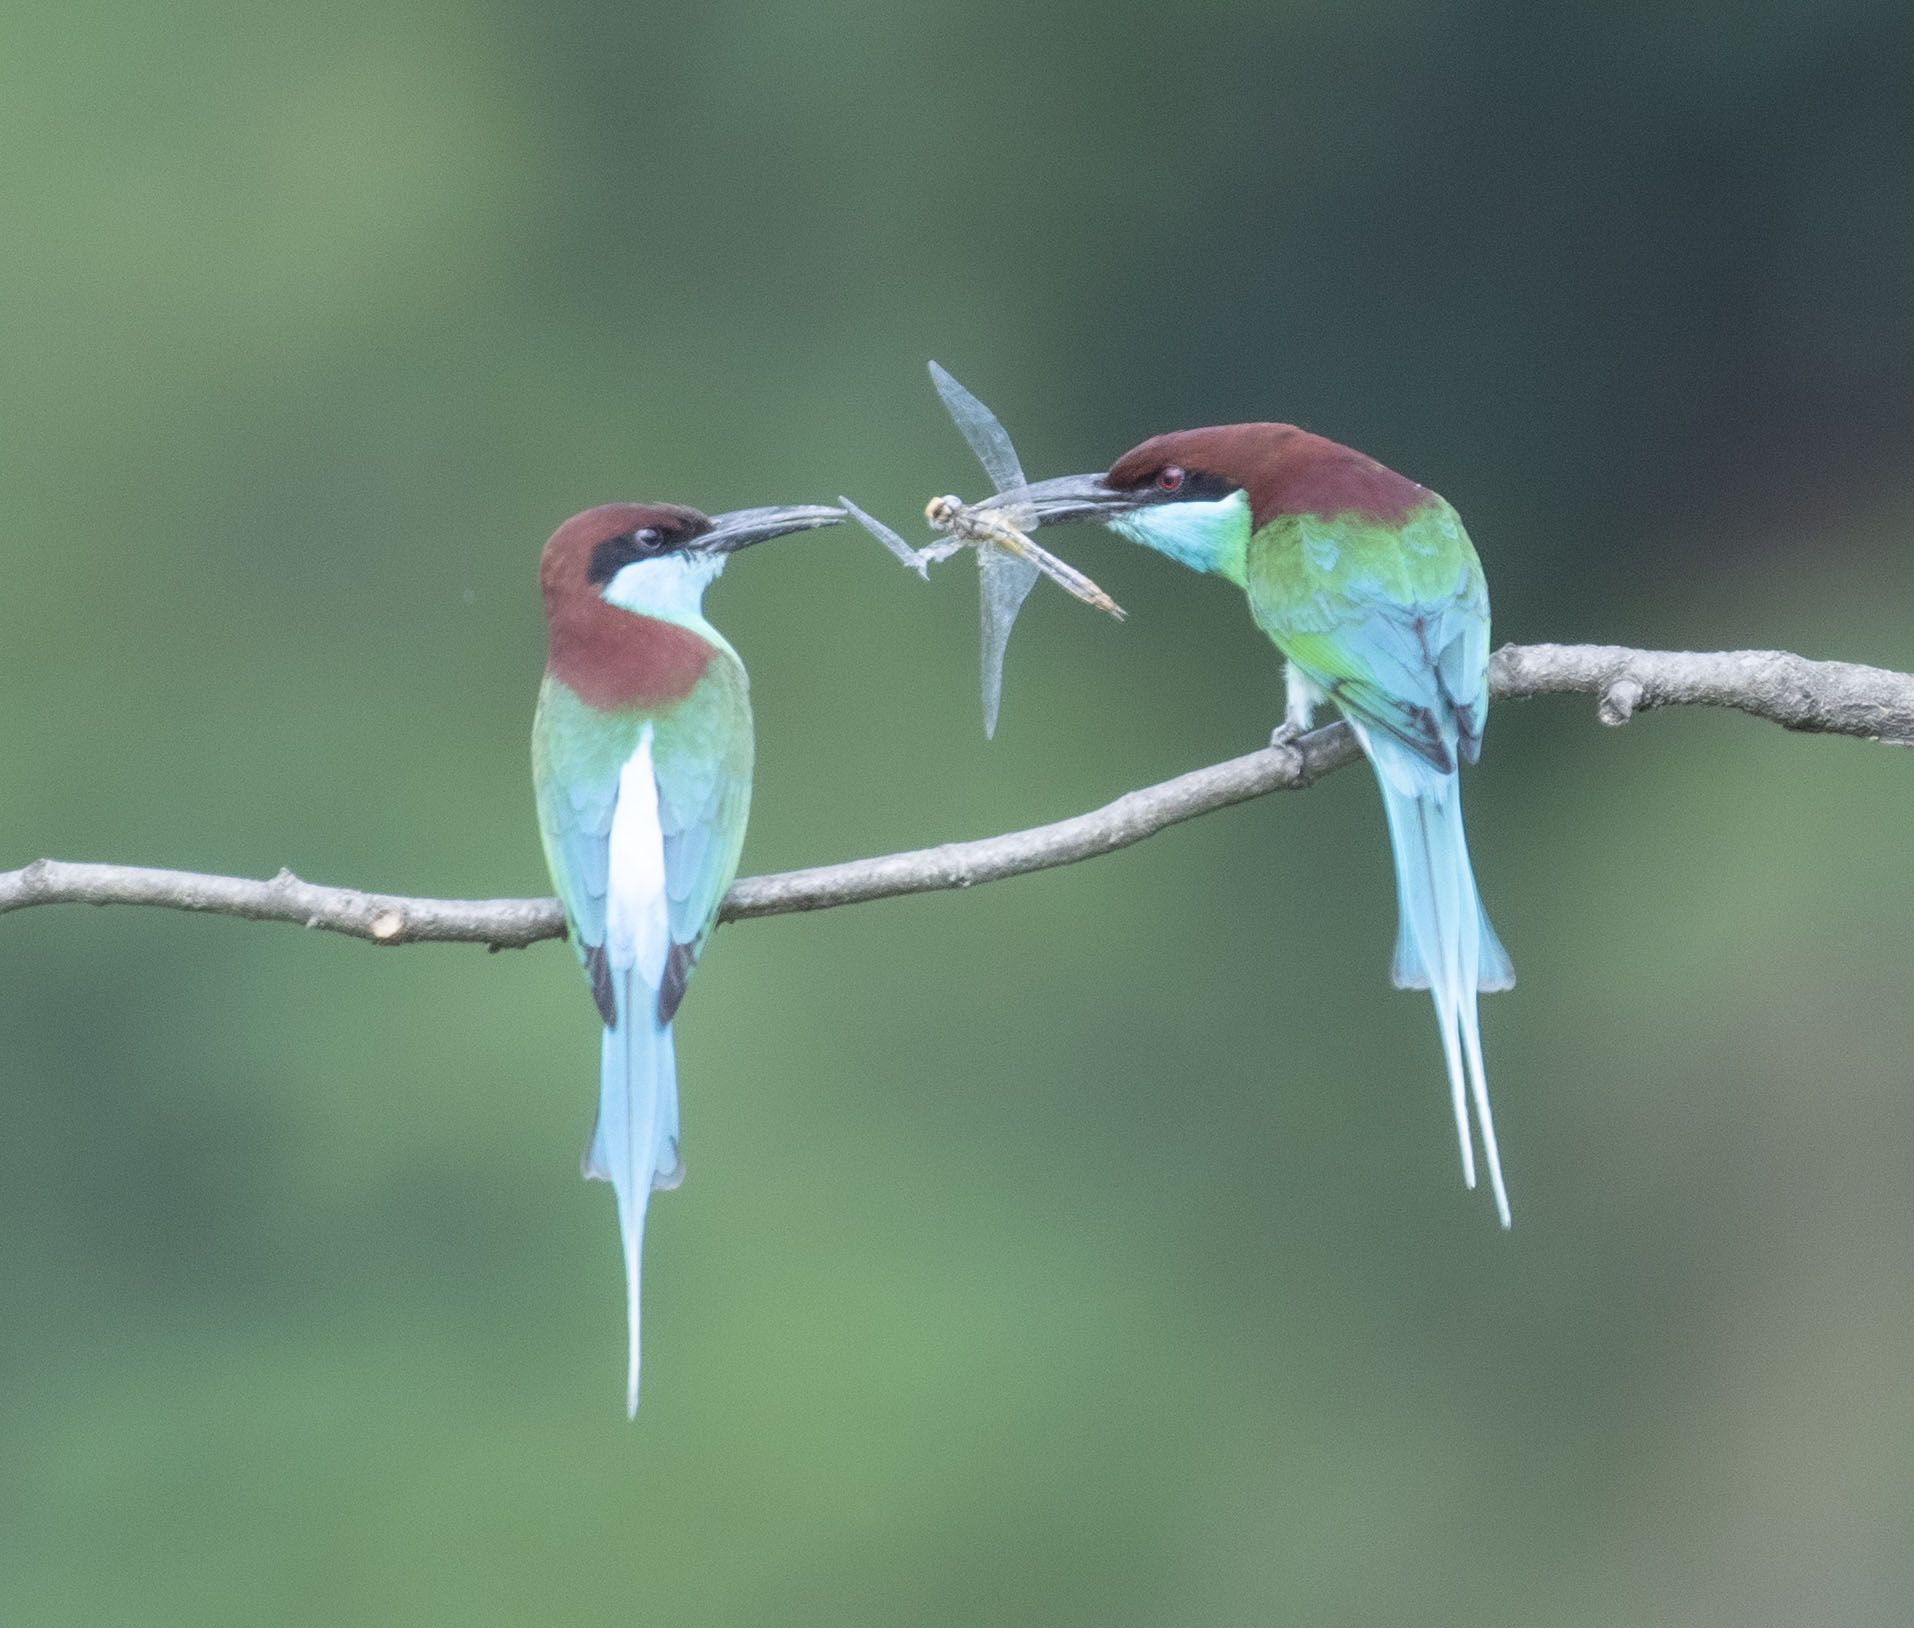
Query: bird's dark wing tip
x,y
1424,735
598,969
678,967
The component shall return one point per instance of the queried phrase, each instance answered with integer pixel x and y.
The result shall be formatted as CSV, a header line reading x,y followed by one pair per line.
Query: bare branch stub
x,y
1618,702
1819,697
1815,697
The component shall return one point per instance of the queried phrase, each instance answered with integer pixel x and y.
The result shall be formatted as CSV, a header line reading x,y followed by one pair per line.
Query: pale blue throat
x,y
1210,537
670,589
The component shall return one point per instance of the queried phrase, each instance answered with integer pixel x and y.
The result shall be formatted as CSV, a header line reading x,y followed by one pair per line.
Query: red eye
x,y
1169,479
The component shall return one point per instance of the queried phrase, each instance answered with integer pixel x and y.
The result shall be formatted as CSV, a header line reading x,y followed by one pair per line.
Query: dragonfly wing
x,y
1004,580
1023,516
978,425
1004,583
883,533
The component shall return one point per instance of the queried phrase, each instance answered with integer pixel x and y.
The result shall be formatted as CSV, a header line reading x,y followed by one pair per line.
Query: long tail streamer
x,y
1444,942
634,1145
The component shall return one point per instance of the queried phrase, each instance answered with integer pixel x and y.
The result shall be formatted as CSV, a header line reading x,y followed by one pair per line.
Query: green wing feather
x,y
701,756
1391,620
577,756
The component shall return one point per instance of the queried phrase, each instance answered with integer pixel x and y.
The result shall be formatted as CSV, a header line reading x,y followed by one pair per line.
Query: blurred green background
x,y
1089,1249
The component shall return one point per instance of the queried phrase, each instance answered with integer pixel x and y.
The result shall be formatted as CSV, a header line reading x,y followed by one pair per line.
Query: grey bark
x,y
1817,697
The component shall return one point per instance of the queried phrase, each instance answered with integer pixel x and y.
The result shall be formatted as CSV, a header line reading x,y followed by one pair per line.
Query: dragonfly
x,y
1008,561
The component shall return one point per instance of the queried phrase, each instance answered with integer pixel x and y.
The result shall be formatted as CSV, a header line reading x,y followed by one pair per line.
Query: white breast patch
x,y
637,925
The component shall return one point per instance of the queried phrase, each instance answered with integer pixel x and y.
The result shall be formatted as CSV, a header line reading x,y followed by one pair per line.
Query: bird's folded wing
x,y
1367,668
703,767
578,757
1393,626
575,821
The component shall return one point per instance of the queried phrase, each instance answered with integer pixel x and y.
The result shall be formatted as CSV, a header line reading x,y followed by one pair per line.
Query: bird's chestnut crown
x,y
1279,469
1156,480
1284,470
1195,466
660,530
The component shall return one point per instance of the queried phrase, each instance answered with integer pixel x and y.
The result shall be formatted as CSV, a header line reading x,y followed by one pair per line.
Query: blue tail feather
x,y
1444,942
634,1145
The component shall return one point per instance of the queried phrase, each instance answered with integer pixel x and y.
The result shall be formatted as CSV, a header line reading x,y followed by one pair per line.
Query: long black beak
x,y
1068,498
743,527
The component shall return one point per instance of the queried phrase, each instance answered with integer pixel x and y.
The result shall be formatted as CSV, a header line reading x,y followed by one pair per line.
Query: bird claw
x,y
1286,733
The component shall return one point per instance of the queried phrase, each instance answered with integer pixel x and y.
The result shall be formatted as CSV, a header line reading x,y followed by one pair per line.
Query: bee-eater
x,y
641,759
1369,586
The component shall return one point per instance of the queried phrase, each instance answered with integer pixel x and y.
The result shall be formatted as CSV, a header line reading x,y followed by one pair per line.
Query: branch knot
x,y
1618,702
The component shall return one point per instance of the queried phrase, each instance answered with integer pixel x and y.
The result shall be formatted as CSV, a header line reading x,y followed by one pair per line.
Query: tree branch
x,y
1817,697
